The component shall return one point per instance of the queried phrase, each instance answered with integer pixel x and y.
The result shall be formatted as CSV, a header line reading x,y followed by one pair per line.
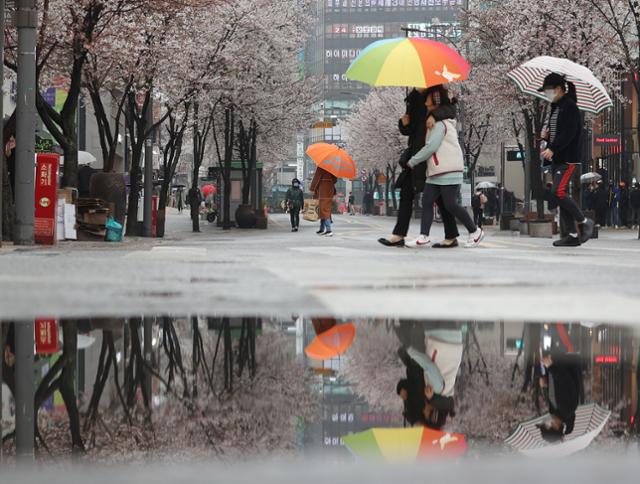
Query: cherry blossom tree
x,y
372,135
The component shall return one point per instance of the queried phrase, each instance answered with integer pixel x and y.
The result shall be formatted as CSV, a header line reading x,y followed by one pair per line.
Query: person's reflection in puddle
x,y
422,405
563,382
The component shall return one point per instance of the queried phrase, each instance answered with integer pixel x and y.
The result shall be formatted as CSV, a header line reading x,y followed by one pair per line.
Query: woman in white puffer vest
x,y
445,169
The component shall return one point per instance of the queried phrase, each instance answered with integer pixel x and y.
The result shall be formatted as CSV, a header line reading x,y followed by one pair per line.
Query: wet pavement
x,y
278,273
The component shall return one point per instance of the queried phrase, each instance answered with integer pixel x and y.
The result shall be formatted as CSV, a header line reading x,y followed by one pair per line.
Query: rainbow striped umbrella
x,y
405,444
411,62
592,96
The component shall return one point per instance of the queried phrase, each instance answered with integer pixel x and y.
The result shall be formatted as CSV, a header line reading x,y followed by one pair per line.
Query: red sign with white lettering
x,y
606,359
46,198
46,336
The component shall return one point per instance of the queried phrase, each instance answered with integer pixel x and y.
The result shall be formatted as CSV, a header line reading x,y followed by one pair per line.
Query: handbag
x,y
404,159
310,212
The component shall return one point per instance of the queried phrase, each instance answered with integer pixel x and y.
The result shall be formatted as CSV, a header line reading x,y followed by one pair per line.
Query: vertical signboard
x,y
300,158
46,332
46,193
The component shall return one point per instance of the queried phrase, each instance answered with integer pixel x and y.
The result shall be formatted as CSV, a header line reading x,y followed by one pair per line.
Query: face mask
x,y
550,94
296,185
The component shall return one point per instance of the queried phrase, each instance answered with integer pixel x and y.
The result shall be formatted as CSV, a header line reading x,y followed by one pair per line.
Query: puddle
x,y
387,390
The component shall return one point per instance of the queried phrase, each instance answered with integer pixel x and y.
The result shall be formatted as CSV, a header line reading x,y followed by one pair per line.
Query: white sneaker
x,y
420,242
475,239
328,234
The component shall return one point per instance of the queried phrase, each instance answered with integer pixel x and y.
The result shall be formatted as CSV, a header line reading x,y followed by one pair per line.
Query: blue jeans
x,y
325,224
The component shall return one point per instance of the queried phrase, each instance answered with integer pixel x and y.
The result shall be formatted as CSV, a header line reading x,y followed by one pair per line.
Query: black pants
x,y
405,210
449,196
478,215
558,196
294,213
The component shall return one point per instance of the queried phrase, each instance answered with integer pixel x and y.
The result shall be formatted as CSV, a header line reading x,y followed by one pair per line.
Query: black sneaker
x,y
320,232
293,229
568,241
586,230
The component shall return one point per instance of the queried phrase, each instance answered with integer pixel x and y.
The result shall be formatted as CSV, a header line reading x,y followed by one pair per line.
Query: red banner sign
x,y
46,193
46,336
606,359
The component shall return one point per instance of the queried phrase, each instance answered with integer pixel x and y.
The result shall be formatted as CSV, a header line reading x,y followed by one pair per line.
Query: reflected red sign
x,y
607,359
606,140
46,336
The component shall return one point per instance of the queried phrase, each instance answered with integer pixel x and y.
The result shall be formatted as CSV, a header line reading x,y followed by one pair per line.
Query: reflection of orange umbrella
x,y
332,159
208,190
331,343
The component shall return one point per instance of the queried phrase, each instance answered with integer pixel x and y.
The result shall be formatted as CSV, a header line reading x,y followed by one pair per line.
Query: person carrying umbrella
x,y
445,166
478,201
563,383
563,154
323,187
411,181
294,200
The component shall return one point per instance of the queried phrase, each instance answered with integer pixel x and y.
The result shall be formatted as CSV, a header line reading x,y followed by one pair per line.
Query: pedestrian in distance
x,y
478,202
563,154
180,200
294,200
600,204
351,202
623,204
411,182
445,166
634,201
323,187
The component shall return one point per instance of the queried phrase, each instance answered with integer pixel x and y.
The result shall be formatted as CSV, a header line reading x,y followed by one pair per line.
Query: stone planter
x,y
541,229
245,217
524,227
111,188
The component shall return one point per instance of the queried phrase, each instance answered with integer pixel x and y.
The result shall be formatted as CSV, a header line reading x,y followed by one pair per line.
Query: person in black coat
x,y
411,181
601,204
634,202
564,385
563,154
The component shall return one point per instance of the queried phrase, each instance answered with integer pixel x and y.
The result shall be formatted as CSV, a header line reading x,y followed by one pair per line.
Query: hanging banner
x,y
46,193
46,332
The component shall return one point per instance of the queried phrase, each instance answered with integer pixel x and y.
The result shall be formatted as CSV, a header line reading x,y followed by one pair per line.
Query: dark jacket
x,y
441,408
566,145
295,197
634,198
564,397
416,130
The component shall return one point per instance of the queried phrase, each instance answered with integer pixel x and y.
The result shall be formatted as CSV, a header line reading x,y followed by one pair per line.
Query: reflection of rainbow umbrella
x,y
331,343
405,444
332,159
408,62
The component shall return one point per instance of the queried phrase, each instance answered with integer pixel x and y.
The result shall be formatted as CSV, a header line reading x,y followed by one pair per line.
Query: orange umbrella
x,y
332,159
331,343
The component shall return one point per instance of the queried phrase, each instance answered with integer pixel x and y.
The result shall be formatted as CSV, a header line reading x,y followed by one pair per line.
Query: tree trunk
x,y
67,382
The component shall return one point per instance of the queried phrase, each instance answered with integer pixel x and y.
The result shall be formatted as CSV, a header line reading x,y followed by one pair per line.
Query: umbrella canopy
x,y
405,444
332,159
590,177
208,190
485,185
590,420
592,96
410,62
331,343
85,158
432,374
